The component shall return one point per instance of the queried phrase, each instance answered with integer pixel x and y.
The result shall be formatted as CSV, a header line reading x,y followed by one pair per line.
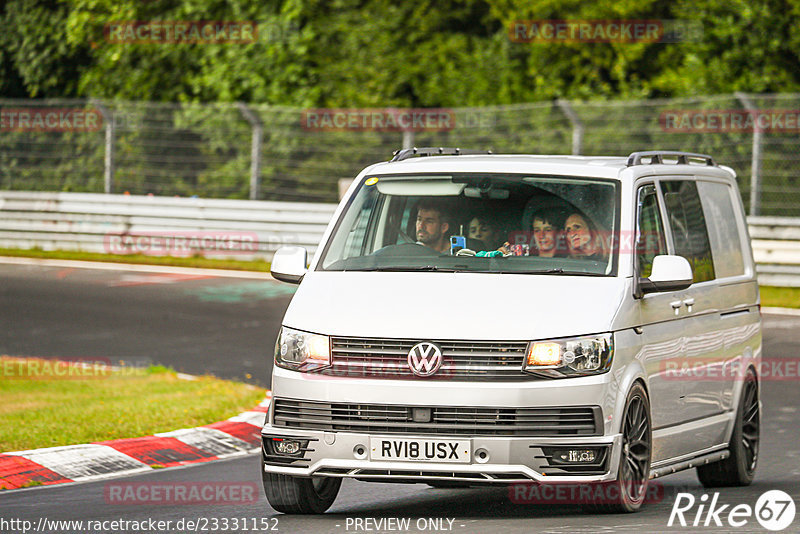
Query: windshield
x,y
478,223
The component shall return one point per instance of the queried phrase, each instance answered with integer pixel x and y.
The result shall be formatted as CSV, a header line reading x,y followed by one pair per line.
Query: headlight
x,y
575,356
302,351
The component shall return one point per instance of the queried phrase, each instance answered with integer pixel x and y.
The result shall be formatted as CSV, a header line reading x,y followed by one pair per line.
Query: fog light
x,y
286,446
577,456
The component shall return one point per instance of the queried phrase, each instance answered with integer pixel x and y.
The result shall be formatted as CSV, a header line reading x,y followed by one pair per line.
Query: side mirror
x,y
669,273
289,264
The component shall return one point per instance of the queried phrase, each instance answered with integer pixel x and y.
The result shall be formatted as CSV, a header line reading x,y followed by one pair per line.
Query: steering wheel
x,y
407,238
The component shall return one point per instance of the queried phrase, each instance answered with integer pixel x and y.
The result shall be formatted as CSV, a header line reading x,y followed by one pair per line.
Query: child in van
x,y
547,235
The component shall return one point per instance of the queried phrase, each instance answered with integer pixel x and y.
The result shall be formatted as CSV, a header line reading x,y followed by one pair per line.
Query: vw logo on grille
x,y
424,358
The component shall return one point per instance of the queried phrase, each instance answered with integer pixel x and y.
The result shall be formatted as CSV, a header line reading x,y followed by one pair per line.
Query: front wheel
x,y
740,467
295,495
628,492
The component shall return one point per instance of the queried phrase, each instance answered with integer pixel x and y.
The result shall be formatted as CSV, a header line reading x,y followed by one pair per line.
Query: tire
x,y
628,492
295,495
739,468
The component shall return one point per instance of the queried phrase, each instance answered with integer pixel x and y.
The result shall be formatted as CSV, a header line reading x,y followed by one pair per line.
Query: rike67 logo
x,y
774,510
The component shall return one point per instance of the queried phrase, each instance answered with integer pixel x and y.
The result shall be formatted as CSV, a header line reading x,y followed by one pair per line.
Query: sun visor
x,y
437,186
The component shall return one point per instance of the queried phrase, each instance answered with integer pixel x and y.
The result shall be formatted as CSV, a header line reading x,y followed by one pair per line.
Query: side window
x,y
355,245
723,228
409,213
649,230
398,215
688,224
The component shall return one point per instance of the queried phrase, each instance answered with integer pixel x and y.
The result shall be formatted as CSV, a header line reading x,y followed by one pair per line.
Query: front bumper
x,y
508,459
502,460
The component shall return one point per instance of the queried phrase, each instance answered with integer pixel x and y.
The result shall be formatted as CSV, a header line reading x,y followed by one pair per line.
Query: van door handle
x,y
676,305
689,303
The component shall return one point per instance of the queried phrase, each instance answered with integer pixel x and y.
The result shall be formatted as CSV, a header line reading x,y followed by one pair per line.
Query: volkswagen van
x,y
475,319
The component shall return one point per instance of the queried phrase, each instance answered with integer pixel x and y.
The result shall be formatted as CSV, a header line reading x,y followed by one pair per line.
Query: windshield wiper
x,y
434,268
543,271
559,270
408,268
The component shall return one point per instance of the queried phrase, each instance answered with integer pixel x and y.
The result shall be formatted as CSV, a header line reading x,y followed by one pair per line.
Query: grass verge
x,y
43,405
780,297
194,261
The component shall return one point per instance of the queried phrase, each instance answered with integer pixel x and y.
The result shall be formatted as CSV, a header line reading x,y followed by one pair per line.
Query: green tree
x,y
35,52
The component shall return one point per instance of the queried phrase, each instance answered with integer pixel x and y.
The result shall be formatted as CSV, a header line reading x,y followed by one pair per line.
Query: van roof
x,y
590,166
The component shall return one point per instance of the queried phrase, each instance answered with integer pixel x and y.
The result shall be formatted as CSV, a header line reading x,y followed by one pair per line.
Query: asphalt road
x,y
220,326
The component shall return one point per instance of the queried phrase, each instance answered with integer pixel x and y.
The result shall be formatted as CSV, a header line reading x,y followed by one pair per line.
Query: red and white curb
x,y
239,435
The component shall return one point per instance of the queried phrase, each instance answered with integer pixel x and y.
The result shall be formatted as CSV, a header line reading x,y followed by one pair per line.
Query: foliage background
x,y
388,53
179,131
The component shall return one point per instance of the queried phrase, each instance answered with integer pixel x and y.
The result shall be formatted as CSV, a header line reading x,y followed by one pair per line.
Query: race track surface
x,y
227,327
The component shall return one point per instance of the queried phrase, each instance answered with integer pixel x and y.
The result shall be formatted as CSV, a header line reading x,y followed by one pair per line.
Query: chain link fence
x,y
271,153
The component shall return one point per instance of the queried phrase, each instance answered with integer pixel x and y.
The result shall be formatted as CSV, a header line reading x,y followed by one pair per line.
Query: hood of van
x,y
469,306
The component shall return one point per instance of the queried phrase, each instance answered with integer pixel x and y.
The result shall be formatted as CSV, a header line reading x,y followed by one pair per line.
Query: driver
x,y
433,225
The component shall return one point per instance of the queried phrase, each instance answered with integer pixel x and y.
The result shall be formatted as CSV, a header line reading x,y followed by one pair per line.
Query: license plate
x,y
421,450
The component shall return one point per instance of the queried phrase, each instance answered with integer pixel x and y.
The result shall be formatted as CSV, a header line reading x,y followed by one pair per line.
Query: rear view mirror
x,y
493,193
289,264
669,273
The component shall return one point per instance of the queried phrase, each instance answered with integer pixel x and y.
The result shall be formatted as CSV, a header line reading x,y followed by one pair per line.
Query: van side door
x,y
661,331
699,304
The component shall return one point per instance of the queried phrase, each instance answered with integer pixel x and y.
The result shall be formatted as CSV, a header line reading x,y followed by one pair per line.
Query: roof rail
x,y
656,157
400,155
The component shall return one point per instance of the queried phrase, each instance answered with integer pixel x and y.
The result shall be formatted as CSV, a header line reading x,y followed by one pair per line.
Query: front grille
x,y
388,358
449,420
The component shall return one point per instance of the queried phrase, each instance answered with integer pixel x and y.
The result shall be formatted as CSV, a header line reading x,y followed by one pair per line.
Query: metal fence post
x,y
408,139
577,126
255,149
755,173
108,159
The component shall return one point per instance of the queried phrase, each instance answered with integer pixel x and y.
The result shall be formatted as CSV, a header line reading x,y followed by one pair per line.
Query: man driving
x,y
433,225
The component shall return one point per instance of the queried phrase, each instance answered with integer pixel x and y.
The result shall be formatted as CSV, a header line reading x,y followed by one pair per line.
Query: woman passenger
x,y
583,239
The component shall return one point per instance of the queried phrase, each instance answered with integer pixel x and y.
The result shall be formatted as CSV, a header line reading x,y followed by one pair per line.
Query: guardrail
x,y
215,228
776,249
91,222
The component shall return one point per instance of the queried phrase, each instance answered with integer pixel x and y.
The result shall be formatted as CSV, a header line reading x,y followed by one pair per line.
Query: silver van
x,y
511,319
